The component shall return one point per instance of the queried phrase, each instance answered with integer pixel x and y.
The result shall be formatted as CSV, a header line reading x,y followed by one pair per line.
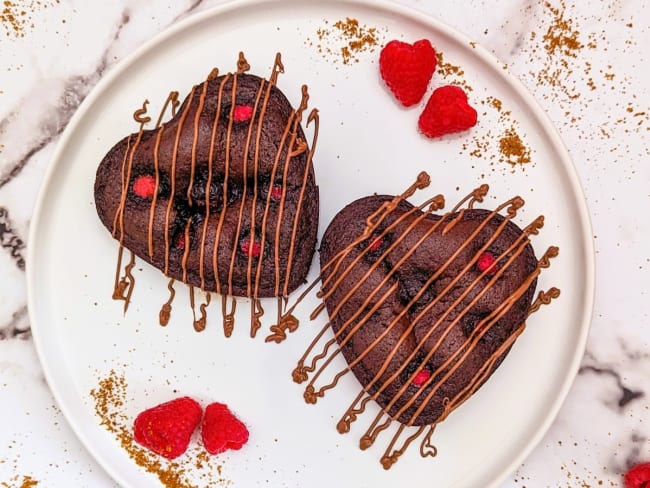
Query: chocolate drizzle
x,y
242,64
123,286
251,240
209,195
166,310
199,324
228,316
459,293
226,179
208,184
312,118
173,181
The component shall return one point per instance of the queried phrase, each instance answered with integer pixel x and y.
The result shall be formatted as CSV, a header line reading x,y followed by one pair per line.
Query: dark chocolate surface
x,y
409,278
247,162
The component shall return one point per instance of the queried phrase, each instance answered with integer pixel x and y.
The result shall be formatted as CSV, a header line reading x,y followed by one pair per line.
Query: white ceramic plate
x,y
367,144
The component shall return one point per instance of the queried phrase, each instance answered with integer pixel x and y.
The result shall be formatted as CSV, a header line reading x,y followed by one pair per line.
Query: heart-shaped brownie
x,y
424,307
222,196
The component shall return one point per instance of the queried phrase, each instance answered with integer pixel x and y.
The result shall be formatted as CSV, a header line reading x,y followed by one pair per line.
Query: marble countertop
x,y
593,84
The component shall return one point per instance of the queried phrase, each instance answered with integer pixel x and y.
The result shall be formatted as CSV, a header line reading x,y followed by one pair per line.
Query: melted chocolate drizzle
x,y
124,282
314,363
123,286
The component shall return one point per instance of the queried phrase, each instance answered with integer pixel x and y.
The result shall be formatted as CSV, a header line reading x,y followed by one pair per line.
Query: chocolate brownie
x,y
222,196
440,298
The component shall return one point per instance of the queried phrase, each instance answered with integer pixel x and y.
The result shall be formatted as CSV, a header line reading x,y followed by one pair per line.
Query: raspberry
x,y
166,429
421,378
242,113
375,245
255,249
487,262
276,192
180,242
446,112
144,186
638,476
407,69
221,430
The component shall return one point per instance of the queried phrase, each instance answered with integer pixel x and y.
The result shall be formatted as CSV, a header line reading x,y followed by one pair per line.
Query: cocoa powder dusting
x,y
572,79
17,15
452,73
561,45
568,77
345,40
194,469
512,149
28,482
20,482
561,37
507,146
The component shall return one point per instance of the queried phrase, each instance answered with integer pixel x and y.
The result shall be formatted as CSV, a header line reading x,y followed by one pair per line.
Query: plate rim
x,y
389,6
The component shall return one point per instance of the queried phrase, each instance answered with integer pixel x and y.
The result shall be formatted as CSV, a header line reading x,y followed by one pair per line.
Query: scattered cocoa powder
x,y
20,482
507,146
110,406
28,482
17,15
561,36
568,77
451,73
345,40
512,149
570,81
561,45
496,103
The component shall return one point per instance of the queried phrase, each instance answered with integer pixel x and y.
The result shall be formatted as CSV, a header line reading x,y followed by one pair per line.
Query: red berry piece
x,y
421,378
254,249
487,262
407,69
638,476
167,428
221,430
375,245
276,192
447,112
180,242
144,186
242,113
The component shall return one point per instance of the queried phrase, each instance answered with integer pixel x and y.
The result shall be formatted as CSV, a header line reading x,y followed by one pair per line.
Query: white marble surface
x,y
600,104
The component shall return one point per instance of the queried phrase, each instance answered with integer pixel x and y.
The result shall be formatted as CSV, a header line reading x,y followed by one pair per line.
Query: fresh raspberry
x,y
446,112
407,69
180,242
167,428
276,192
255,249
144,186
375,245
487,262
242,113
421,378
221,430
638,476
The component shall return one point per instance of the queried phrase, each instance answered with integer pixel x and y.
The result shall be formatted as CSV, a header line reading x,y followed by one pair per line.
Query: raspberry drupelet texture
x,y
407,69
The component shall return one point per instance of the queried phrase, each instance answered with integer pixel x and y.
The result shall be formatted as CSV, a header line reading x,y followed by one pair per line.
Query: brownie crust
x,y
409,278
211,168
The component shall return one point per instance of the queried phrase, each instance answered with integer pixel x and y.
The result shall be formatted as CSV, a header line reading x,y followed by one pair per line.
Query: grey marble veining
x,y
9,239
